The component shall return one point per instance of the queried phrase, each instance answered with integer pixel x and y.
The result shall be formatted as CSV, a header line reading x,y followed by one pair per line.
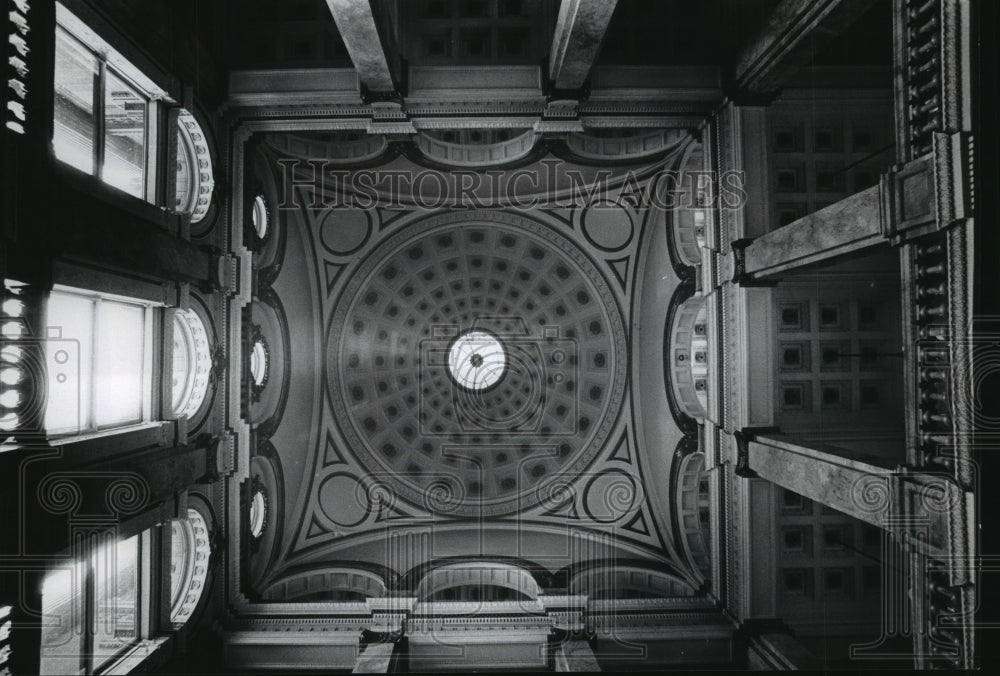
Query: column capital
x,y
743,438
929,193
739,258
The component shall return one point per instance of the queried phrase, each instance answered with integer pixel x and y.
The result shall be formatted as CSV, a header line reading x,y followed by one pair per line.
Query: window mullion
x,y
145,602
148,399
95,335
99,121
89,602
155,153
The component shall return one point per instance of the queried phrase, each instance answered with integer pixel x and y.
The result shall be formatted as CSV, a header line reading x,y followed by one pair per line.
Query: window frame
x,y
155,624
148,547
151,351
93,611
110,58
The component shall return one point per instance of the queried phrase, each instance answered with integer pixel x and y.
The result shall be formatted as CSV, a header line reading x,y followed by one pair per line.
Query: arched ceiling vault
x,y
481,382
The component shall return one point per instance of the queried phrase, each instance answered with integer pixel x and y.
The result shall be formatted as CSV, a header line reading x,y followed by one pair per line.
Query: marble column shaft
x,y
579,32
851,224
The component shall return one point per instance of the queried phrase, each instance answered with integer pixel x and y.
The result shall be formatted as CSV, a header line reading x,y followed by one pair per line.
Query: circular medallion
x,y
607,226
475,356
344,231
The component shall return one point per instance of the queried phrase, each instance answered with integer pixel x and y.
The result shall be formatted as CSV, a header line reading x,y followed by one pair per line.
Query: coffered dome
x,y
473,360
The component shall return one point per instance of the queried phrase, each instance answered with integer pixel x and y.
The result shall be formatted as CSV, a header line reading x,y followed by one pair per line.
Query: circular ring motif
x,y
344,500
344,231
409,393
608,226
610,496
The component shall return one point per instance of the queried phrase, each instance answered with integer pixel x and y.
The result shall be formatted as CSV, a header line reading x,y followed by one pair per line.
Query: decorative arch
x,y
333,583
628,581
470,148
190,554
692,508
688,217
266,353
685,422
192,363
265,477
195,182
687,358
262,199
624,144
347,147
479,574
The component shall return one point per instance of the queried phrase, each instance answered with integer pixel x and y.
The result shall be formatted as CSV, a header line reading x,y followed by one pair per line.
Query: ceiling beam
x,y
579,32
356,23
796,32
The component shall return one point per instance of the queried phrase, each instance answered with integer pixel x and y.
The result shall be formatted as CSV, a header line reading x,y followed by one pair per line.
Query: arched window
x,y
258,362
189,554
258,513
192,363
259,216
195,180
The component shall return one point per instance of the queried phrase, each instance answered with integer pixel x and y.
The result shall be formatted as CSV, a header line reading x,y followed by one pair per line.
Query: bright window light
x,y
91,607
116,598
258,513
258,363
102,108
63,619
118,370
125,136
97,357
76,74
68,362
259,216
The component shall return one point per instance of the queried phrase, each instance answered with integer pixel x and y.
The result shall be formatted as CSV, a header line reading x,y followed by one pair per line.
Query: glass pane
x,y
62,626
116,596
185,174
68,360
118,395
75,73
180,556
125,136
183,363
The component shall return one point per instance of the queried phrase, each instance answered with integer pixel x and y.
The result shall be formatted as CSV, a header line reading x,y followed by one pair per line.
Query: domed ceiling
x,y
488,380
475,357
